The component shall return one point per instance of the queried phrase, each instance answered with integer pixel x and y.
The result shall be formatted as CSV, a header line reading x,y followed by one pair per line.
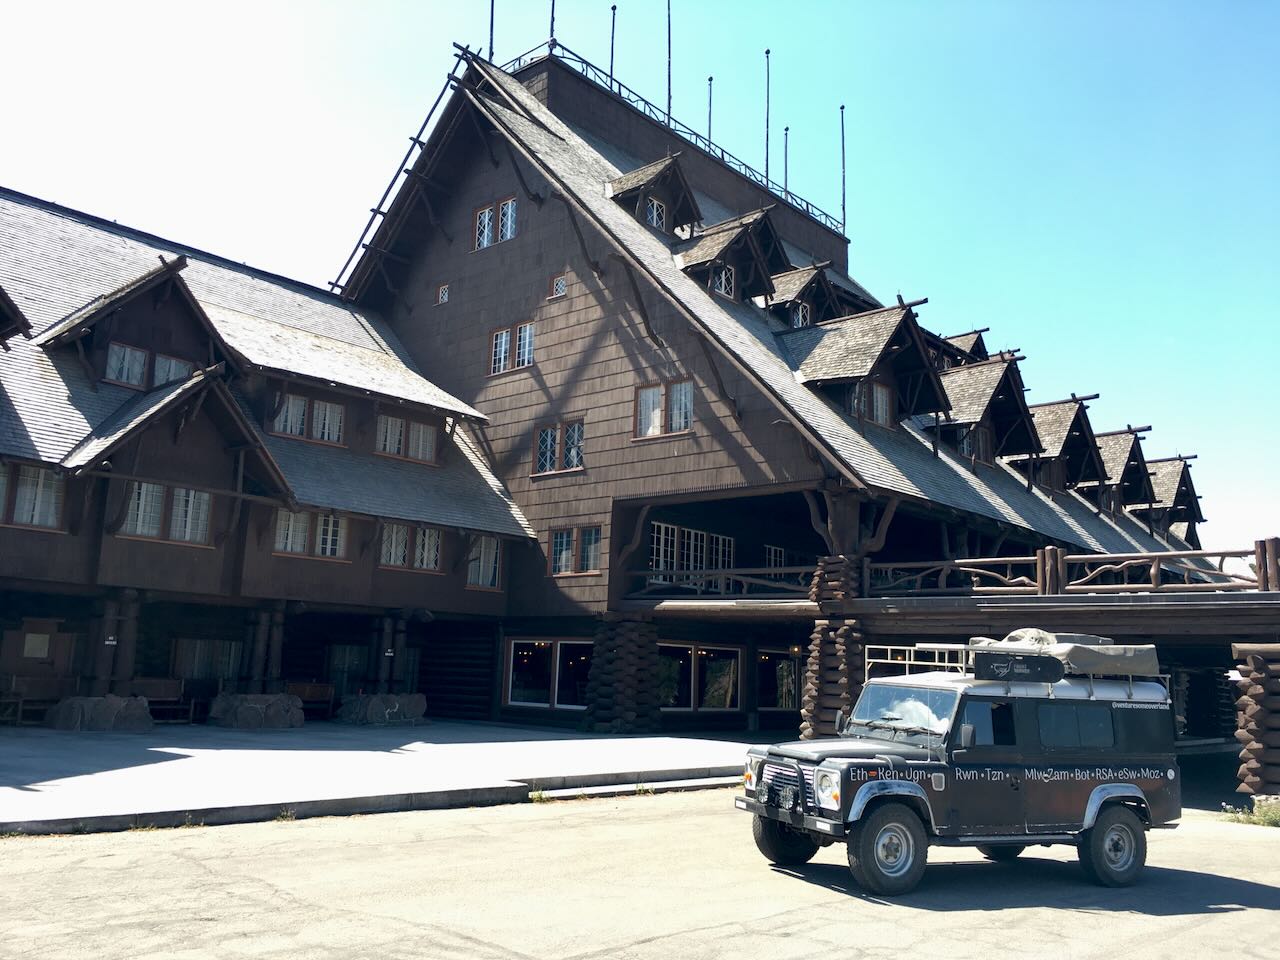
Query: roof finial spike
x,y
844,216
766,116
613,29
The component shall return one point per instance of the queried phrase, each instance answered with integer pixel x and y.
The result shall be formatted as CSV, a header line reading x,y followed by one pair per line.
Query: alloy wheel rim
x,y
894,850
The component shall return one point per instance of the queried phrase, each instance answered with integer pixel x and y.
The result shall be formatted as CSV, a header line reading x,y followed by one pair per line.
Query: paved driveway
x,y
646,877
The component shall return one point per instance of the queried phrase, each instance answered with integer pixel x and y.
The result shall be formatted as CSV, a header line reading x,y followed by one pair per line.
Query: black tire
x,y
1114,850
888,850
781,844
1001,853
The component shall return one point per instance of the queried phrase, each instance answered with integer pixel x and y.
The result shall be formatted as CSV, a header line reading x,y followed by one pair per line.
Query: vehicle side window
x,y
1145,731
992,722
1065,725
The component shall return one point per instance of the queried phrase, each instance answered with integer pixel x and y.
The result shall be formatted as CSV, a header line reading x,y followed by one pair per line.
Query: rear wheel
x,y
888,850
781,844
1114,850
1001,853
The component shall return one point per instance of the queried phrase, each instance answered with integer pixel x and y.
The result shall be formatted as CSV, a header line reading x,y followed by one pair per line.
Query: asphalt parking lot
x,y
669,876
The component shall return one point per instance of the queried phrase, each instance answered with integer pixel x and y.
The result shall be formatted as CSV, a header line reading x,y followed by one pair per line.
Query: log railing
x,y
1053,571
755,582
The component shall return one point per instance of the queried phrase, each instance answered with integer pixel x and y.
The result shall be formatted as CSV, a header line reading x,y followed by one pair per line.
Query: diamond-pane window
x,y
546,456
126,364
484,228
426,549
800,316
724,280
395,545
442,293
572,457
559,285
655,213
507,219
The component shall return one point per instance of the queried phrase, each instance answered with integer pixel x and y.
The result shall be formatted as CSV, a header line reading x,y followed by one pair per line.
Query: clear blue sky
x,y
1095,181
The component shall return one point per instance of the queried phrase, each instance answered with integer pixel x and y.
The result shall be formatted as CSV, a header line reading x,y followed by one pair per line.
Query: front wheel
x,y
888,850
1114,850
781,844
1001,853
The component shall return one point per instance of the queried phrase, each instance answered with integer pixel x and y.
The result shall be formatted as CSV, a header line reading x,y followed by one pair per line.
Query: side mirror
x,y
841,723
966,738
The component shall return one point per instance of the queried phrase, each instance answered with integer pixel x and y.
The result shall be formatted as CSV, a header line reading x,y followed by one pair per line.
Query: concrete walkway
x,y
58,782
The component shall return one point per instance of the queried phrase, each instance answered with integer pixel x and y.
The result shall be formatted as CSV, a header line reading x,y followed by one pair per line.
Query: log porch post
x,y
105,649
127,640
258,664
398,665
622,687
386,644
275,660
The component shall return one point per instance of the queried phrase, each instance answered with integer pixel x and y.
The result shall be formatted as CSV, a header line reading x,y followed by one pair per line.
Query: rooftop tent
x,y
664,181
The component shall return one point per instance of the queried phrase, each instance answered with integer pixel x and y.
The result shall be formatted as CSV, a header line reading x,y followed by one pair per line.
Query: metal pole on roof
x,y
491,2
766,115
553,20
613,29
668,61
786,150
844,222
710,81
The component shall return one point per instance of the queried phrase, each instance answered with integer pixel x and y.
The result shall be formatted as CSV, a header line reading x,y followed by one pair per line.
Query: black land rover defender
x,y
955,760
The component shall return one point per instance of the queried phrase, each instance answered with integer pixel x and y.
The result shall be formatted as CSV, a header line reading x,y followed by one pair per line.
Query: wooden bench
x,y
28,699
165,698
316,697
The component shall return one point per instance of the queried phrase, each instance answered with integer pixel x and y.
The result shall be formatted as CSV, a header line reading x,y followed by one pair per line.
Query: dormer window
x,y
326,421
126,365
292,418
170,369
872,400
975,443
655,213
800,315
724,280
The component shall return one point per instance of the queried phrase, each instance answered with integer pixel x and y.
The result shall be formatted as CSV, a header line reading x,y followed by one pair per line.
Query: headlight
x,y
751,772
826,787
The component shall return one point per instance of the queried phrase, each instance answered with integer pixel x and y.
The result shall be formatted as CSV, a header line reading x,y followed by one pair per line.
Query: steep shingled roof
x,y
1053,424
971,388
842,349
893,461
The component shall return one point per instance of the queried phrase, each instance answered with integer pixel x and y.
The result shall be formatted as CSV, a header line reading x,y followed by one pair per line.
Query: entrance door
x,y
985,792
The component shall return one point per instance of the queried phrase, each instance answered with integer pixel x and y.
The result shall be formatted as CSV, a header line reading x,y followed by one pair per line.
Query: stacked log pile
x,y
383,708
1258,717
256,711
624,683
130,714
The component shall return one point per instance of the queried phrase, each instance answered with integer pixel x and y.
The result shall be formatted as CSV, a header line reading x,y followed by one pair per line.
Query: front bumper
x,y
801,821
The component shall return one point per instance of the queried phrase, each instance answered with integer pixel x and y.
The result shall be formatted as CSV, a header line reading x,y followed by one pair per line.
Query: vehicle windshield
x,y
892,712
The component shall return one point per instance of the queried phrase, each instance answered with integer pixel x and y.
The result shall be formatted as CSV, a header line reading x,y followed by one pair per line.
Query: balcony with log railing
x,y
1051,571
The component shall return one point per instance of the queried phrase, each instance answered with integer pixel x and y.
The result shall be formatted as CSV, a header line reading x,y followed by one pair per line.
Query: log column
x,y
1258,718
622,688
258,662
105,632
275,659
400,644
127,640
833,673
386,645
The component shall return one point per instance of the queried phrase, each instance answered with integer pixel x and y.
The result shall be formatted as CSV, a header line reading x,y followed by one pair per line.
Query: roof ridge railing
x,y
604,78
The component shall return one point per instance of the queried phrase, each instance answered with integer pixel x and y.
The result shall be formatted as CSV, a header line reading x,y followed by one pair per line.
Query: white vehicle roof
x,y
1070,688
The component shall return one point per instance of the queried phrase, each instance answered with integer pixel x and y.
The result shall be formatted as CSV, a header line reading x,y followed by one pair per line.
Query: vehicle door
x,y
1073,750
984,786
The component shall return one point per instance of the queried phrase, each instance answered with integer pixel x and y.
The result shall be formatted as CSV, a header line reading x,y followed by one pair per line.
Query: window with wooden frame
x,y
171,369
292,530
673,548
558,447
975,443
126,365
724,280
326,421
548,673
291,421
484,228
30,497
872,400
409,439
331,536
655,213
442,294
573,551
663,408
558,287
699,678
410,546
511,348
507,219
303,534
176,514
801,316
484,563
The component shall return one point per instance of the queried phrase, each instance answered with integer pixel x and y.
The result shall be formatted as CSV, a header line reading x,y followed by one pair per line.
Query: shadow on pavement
x,y
1032,882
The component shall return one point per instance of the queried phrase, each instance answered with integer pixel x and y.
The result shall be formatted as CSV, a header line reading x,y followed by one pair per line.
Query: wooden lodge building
x,y
596,428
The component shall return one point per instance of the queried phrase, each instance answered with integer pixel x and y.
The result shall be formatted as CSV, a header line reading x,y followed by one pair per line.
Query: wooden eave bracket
x,y
815,519
637,539
596,267
728,398
533,195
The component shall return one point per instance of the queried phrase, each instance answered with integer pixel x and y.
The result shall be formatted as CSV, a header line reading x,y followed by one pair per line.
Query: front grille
x,y
776,776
